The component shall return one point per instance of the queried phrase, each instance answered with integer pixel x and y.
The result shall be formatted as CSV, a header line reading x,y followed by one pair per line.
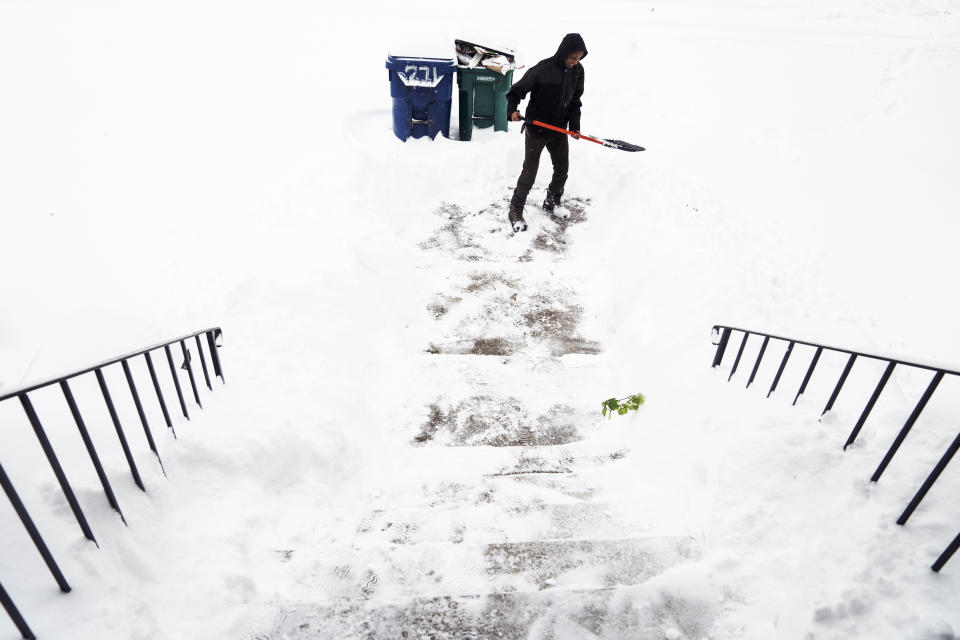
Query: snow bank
x,y
173,167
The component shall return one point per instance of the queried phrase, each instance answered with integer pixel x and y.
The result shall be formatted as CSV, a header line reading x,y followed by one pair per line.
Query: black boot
x,y
550,202
516,220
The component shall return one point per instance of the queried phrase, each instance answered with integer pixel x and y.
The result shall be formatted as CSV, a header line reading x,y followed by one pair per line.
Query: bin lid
x,y
436,62
422,47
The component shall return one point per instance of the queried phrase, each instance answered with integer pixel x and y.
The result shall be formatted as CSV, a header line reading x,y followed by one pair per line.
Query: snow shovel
x,y
613,144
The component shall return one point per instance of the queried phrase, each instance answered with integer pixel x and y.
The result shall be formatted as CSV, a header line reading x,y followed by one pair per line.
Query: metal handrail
x,y
721,335
917,365
213,336
218,336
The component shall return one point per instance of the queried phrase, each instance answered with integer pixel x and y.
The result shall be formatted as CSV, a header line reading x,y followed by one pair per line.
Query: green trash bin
x,y
483,99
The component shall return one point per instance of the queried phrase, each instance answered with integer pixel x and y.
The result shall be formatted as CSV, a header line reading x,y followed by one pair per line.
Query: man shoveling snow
x,y
555,86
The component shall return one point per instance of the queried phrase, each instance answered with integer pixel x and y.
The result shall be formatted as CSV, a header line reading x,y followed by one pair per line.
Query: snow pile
x,y
171,168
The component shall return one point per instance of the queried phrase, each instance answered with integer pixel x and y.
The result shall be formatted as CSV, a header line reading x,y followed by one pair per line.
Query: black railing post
x,y
14,614
88,443
32,531
891,363
116,424
756,366
928,483
843,378
783,365
949,551
22,394
806,378
55,465
721,346
189,368
176,381
870,404
214,353
143,417
736,361
156,387
203,362
938,376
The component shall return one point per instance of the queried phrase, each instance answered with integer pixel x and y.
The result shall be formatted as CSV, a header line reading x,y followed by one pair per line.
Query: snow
x,y
167,168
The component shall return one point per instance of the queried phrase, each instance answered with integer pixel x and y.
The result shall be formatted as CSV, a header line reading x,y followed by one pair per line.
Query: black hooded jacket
x,y
554,90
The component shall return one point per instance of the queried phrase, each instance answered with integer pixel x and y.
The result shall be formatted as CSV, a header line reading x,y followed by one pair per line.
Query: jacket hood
x,y
570,43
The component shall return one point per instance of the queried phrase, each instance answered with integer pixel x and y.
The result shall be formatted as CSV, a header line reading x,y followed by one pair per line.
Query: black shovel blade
x,y
623,146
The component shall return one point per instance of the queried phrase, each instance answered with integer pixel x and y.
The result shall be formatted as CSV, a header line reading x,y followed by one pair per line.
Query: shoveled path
x,y
499,530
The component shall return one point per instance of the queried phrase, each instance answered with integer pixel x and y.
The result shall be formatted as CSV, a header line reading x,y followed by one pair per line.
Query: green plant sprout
x,y
622,405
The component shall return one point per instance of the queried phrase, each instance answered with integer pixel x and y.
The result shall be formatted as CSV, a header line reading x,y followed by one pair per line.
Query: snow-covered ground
x,y
169,167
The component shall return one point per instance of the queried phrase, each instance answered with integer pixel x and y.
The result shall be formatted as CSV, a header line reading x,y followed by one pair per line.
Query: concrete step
x,y
451,568
554,485
557,614
488,420
497,522
474,236
539,564
466,476
492,312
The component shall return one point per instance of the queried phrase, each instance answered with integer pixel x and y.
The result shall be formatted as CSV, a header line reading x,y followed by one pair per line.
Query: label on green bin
x,y
486,79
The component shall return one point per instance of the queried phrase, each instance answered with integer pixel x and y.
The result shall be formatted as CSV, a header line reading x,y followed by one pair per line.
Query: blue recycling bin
x,y
422,89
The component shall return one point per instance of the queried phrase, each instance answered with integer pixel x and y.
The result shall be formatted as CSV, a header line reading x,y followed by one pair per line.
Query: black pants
x,y
559,149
